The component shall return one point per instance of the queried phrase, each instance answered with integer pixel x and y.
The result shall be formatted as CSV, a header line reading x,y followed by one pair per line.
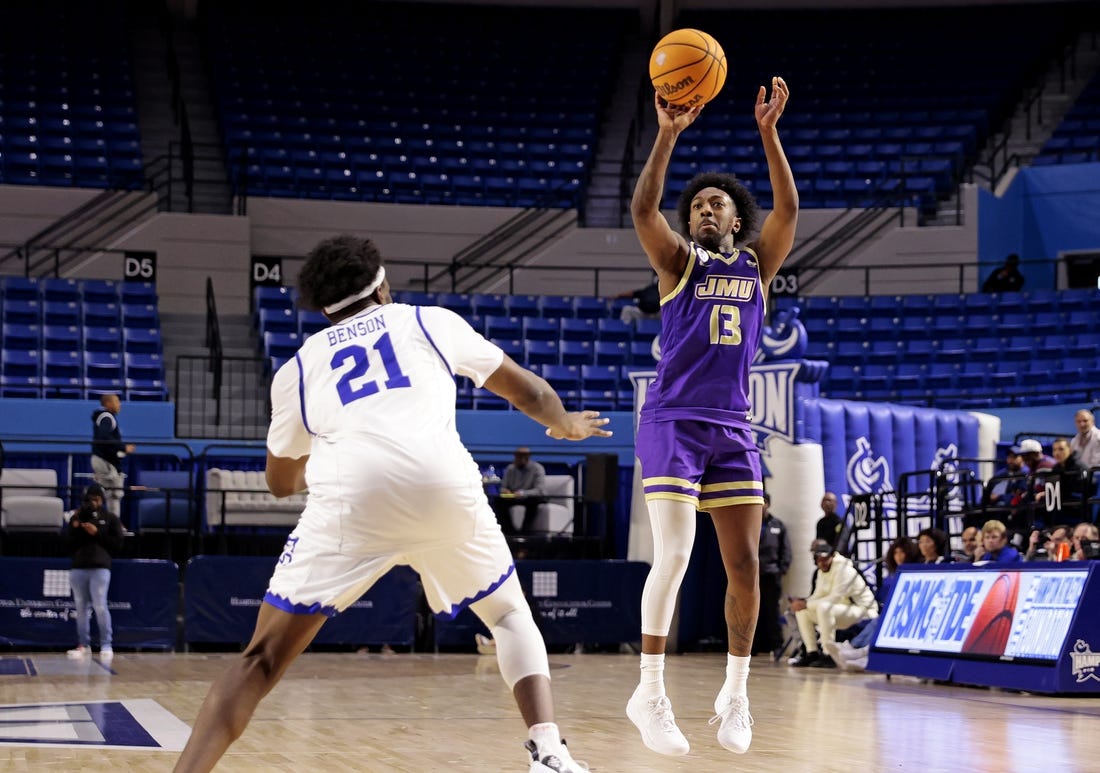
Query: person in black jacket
x,y
775,560
108,451
94,535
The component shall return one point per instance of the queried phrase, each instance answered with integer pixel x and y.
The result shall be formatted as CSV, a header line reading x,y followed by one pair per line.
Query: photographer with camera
x,y
94,535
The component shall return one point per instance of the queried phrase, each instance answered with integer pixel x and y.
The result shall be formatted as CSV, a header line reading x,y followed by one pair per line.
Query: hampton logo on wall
x,y
1084,662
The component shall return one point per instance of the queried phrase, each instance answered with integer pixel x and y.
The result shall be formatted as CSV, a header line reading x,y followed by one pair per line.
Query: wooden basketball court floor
x,y
337,712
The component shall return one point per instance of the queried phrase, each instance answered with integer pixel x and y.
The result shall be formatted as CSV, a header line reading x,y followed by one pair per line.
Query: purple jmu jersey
x,y
710,331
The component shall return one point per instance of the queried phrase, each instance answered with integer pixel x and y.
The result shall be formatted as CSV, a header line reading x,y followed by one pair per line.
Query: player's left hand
x,y
768,112
578,425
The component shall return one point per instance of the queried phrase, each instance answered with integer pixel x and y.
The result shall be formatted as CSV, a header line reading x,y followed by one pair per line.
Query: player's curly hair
x,y
336,268
747,208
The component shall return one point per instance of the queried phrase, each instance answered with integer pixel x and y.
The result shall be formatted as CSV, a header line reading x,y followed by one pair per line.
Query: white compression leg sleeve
x,y
673,535
520,649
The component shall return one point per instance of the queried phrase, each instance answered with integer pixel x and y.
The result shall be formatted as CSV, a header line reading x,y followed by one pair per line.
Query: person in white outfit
x,y
840,598
1086,443
364,417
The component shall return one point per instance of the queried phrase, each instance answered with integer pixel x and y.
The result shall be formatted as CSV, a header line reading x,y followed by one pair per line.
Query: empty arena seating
x,y
241,498
950,350
72,338
1076,138
475,115
69,118
851,142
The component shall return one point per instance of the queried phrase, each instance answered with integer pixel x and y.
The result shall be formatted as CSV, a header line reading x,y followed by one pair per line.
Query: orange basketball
x,y
687,67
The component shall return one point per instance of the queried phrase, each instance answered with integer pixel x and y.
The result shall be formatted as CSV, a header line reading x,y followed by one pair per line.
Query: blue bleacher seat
x,y
459,303
485,304
577,329
646,329
611,353
641,354
102,339
586,307
141,340
309,322
276,321
20,336
59,364
538,329
149,390
99,291
143,367
523,305
272,298
513,347
140,315
562,377
18,288
556,306
102,314
94,388
541,352
61,313
576,352
140,293
613,330
59,289
598,400
20,363
599,377
281,344
20,386
21,311
503,327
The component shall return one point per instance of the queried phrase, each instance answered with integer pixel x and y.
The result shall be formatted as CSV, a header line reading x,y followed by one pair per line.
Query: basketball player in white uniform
x,y
364,417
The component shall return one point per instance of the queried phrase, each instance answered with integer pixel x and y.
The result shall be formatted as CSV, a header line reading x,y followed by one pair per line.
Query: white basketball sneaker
x,y
557,760
655,721
735,732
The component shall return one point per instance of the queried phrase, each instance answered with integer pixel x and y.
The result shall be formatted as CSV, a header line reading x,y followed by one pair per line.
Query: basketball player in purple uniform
x,y
694,443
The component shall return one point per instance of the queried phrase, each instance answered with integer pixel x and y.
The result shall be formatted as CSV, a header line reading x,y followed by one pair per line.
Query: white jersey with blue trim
x,y
372,401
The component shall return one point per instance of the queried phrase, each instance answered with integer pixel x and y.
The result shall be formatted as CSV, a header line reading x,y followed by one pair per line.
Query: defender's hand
x,y
578,425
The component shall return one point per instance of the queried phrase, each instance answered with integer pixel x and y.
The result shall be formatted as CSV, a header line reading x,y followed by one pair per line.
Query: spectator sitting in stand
x,y
995,548
969,540
1042,545
1085,538
932,544
1006,491
840,598
1005,279
523,484
647,303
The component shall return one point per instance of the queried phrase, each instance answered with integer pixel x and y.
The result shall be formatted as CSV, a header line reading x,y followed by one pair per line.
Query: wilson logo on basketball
x,y
668,89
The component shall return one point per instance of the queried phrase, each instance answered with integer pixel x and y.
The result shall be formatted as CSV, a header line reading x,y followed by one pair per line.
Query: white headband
x,y
364,293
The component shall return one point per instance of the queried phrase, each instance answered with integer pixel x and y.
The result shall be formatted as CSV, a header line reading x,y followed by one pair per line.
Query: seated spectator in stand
x,y
969,540
1044,545
1005,279
932,544
647,303
829,525
839,598
1019,521
1071,484
523,484
853,655
995,547
1007,492
1086,443
1085,541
